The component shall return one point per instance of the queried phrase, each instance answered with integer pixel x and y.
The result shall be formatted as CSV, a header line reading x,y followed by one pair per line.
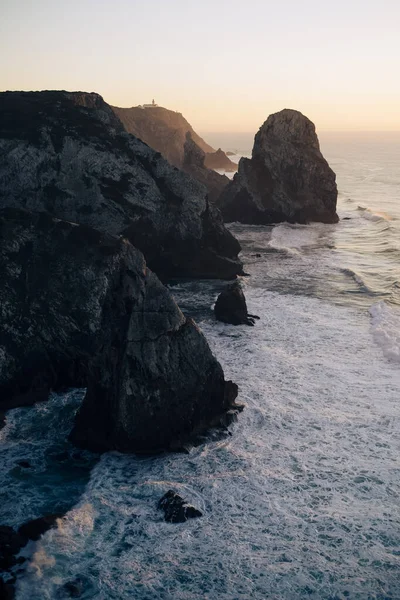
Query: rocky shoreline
x,y
92,220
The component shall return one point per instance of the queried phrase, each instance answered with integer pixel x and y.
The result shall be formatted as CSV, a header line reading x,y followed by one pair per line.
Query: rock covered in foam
x,y
287,178
68,154
176,509
79,308
231,306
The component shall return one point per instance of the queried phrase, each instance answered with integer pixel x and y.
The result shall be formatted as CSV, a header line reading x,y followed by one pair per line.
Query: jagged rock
x,y
68,154
74,588
7,590
79,308
287,178
220,160
34,529
194,165
162,129
176,509
11,543
231,306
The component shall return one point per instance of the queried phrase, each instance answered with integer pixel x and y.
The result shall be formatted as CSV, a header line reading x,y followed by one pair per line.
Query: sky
x,y
225,64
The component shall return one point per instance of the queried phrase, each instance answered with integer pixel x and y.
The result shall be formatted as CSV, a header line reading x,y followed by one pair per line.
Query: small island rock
x,y
287,178
176,509
231,306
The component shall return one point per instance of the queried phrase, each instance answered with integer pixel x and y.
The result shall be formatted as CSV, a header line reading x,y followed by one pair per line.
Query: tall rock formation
x,y
287,178
193,164
80,308
68,154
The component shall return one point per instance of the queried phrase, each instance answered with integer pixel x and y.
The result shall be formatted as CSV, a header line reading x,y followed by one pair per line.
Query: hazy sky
x,y
225,64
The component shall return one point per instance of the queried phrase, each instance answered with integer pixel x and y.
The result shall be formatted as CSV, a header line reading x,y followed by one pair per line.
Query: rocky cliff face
x,y
162,129
80,308
219,160
194,165
287,178
68,154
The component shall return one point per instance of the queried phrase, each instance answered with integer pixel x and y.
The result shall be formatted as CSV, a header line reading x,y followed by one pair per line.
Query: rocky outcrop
x,y
176,509
68,154
194,165
162,129
231,306
219,160
79,308
287,178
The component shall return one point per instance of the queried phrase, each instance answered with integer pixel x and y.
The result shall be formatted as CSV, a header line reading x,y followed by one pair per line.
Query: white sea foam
x,y
295,502
386,329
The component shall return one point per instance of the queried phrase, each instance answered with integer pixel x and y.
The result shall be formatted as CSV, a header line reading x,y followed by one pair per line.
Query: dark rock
x,y
34,529
75,588
219,160
11,543
24,464
194,165
287,178
79,308
7,590
176,510
68,154
231,306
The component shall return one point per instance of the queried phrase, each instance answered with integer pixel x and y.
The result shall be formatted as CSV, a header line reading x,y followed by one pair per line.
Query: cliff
x,y
162,129
68,154
194,165
287,178
80,308
165,131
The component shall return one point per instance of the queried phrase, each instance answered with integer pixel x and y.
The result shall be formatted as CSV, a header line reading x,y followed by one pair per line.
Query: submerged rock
x,y
34,529
287,178
194,165
68,154
176,509
219,160
11,543
231,306
79,308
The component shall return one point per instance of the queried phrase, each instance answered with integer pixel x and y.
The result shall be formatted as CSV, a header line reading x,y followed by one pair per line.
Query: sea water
x,y
301,497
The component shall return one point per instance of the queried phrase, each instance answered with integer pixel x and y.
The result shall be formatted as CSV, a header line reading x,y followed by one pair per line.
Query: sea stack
x,y
80,308
287,178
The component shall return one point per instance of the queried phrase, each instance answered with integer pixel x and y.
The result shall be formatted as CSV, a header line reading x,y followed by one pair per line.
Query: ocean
x,y
301,496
